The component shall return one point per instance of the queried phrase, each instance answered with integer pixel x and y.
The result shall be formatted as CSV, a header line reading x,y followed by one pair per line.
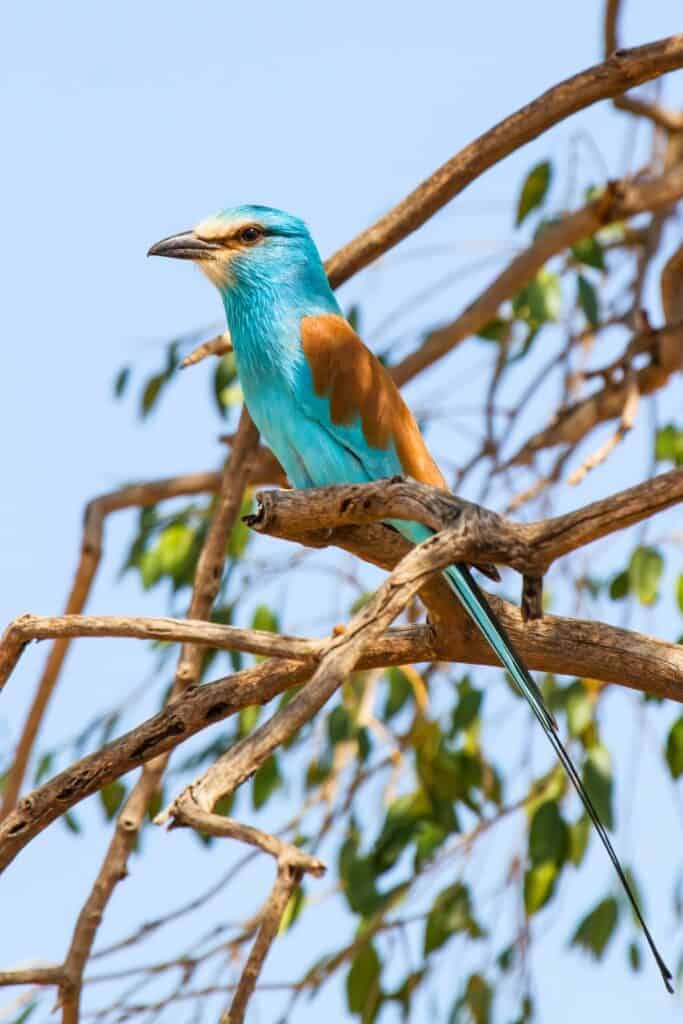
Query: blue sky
x,y
123,123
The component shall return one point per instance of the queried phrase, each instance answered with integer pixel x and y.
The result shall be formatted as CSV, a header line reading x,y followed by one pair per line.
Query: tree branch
x,y
620,200
206,584
621,71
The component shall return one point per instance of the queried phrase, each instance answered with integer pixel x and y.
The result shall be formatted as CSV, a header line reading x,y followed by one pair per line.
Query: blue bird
x,y
327,407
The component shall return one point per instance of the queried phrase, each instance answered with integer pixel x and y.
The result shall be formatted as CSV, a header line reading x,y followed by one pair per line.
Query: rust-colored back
x,y
357,385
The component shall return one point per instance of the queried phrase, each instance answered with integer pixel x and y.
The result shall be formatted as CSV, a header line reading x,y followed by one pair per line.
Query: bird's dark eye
x,y
251,234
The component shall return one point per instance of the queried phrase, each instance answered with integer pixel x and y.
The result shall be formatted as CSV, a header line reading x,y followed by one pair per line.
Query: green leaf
x,y
579,707
265,618
634,956
224,378
588,300
589,251
175,547
266,781
155,804
645,572
674,748
398,829
540,301
679,592
495,330
361,601
44,766
539,882
548,835
240,534
400,692
620,586
121,381
451,913
112,796
597,928
339,725
151,393
72,822
248,717
292,910
477,999
669,445
363,978
359,886
597,778
353,316
579,834
467,709
25,1014
534,190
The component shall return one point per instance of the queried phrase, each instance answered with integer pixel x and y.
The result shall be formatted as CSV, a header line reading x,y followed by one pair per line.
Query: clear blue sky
x,y
123,123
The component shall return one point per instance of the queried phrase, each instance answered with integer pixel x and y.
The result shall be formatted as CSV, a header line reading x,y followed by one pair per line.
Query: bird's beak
x,y
185,246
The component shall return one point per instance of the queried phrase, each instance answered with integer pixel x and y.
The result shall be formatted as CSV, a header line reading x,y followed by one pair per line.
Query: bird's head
x,y
248,247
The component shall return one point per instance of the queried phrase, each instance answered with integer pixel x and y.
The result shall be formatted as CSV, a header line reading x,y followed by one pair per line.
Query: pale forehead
x,y
221,227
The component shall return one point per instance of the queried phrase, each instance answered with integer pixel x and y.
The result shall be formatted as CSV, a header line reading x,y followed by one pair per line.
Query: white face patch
x,y
217,265
213,229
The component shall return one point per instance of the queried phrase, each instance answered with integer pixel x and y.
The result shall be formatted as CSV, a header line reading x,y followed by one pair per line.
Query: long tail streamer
x,y
480,611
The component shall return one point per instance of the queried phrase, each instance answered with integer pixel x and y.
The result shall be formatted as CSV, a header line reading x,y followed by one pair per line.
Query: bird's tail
x,y
471,597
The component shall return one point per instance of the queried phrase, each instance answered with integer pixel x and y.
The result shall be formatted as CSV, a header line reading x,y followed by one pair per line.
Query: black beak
x,y
185,246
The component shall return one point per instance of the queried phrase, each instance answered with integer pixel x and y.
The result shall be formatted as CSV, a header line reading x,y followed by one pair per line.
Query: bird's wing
x,y
352,396
363,420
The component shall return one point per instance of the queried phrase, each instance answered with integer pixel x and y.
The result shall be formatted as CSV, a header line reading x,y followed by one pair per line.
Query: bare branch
x,y
264,469
287,879
26,628
216,346
206,584
621,71
33,976
620,200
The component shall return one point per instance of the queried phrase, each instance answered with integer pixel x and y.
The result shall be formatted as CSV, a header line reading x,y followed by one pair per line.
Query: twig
x,y
628,418
287,879
217,346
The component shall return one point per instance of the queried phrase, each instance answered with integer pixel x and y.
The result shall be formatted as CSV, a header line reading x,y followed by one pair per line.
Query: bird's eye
x,y
251,234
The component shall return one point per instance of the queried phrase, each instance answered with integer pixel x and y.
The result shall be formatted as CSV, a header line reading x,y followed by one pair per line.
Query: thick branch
x,y
564,646
621,71
530,548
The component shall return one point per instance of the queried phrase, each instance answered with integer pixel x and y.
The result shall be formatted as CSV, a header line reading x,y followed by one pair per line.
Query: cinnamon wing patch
x,y
357,386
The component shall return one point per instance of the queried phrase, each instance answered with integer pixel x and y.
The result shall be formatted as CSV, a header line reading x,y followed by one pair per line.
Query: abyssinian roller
x,y
328,408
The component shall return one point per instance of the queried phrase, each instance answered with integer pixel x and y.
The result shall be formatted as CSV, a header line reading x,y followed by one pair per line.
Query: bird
x,y
331,412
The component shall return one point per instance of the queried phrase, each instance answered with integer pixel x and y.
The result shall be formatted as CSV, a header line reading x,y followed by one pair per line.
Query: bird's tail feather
x,y
476,605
